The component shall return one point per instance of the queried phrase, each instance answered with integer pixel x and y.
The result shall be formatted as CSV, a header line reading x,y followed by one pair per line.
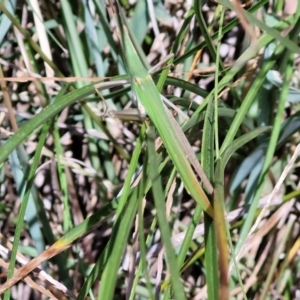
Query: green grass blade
x,y
27,197
121,205
201,22
290,44
122,226
116,246
225,29
211,249
246,105
147,93
67,219
240,141
158,195
270,153
48,113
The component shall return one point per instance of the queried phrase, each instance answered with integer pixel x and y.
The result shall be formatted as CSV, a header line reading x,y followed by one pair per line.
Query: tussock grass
x,y
193,200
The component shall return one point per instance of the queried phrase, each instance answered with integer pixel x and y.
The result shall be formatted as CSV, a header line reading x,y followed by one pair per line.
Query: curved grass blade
x,y
48,113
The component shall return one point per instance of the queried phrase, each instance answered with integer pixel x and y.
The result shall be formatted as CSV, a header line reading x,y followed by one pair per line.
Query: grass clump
x,y
132,198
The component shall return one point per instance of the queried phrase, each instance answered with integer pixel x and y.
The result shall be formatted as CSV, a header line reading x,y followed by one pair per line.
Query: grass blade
x,y
147,93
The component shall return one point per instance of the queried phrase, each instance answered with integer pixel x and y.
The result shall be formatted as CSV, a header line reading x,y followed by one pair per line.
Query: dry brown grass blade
x,y
255,241
55,249
31,283
42,275
231,216
246,4
46,79
275,191
7,102
244,22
